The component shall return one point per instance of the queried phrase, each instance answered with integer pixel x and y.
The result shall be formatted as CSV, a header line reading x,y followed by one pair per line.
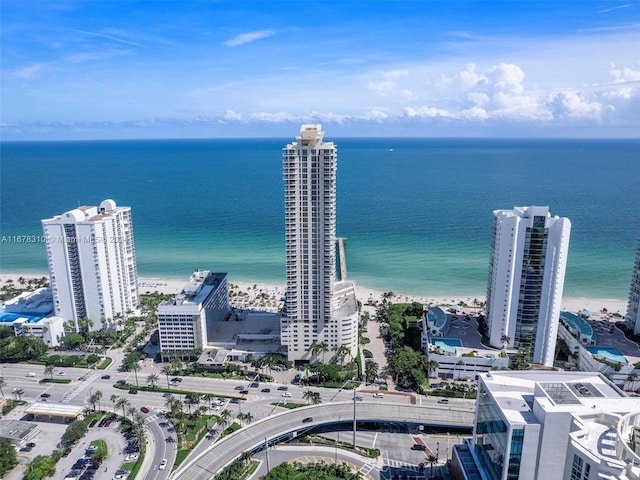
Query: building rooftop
x,y
51,409
576,392
200,285
16,431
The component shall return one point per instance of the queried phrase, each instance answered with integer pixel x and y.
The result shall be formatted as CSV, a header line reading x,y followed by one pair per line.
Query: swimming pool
x,y
452,342
608,353
11,317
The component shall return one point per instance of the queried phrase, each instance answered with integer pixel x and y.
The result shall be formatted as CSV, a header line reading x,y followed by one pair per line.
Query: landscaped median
x,y
173,391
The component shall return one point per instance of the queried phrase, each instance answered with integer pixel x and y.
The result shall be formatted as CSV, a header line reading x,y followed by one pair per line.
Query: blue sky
x,y
179,69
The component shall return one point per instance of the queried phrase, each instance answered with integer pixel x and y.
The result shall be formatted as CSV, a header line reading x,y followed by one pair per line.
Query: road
x,y
296,421
261,404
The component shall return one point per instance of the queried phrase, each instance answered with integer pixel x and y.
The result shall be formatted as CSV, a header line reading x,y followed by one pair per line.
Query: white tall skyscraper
x,y
319,309
526,280
633,308
92,263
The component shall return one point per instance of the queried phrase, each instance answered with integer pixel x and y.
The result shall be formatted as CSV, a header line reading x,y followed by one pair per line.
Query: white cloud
x,y
478,98
249,37
231,115
573,105
31,71
626,74
110,36
507,78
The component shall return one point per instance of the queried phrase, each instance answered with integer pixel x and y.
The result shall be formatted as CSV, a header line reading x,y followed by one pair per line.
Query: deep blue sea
x,y
417,213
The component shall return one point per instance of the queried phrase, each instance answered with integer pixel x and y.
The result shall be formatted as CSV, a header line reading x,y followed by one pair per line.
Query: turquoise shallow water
x,y
417,213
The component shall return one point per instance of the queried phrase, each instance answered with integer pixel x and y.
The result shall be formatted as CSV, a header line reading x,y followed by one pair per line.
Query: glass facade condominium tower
x,y
632,318
320,312
526,280
92,264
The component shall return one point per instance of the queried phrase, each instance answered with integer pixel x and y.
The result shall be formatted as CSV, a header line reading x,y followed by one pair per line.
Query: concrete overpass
x,y
254,435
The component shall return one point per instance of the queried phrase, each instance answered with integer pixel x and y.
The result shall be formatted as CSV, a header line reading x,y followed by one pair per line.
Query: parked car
x,y
121,382
133,391
265,390
254,385
244,392
443,400
418,446
378,395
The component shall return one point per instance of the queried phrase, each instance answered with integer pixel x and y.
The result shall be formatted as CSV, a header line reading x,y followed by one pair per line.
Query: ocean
x,y
417,213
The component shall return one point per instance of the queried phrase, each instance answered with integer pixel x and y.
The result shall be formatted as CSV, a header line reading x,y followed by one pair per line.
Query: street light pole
x,y
354,418
266,449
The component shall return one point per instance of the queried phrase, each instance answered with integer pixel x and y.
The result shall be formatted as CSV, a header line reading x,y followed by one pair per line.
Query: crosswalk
x,y
79,388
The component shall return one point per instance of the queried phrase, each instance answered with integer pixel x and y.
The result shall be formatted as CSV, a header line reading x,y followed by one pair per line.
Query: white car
x,y
163,464
60,374
132,457
286,394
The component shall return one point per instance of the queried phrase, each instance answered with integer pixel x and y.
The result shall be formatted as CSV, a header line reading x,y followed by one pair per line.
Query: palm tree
x,y
167,370
308,395
135,366
190,399
224,417
208,397
48,370
323,347
3,384
122,403
114,399
132,411
246,457
18,392
98,396
248,417
505,340
152,380
92,401
432,458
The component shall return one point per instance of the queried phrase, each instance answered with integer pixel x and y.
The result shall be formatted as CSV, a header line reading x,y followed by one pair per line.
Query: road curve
x,y
252,436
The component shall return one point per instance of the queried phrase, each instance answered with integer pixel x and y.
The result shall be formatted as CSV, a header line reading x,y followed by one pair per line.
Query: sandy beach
x,y
273,293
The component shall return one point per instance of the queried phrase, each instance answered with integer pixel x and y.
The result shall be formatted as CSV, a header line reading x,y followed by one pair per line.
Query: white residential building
x,y
182,320
548,425
526,280
92,264
632,318
319,309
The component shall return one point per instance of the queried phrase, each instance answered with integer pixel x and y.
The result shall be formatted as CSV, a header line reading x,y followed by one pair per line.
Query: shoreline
x,y
363,293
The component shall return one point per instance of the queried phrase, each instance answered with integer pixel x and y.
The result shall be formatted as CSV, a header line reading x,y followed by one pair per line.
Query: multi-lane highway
x,y
267,421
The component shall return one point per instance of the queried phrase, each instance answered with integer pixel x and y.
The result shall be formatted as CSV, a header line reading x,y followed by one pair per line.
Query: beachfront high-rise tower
x,y
92,264
632,318
526,280
320,315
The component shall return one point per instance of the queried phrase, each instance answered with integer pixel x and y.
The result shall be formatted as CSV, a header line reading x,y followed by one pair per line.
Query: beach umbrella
x,y
585,313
